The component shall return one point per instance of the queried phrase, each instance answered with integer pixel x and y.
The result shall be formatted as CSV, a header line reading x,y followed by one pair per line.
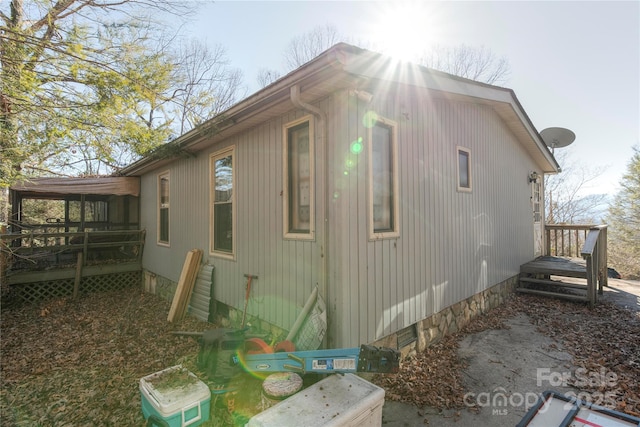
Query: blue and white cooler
x,y
174,397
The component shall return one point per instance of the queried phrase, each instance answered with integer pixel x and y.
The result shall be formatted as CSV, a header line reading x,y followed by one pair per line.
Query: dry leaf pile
x,y
431,378
604,343
78,363
434,377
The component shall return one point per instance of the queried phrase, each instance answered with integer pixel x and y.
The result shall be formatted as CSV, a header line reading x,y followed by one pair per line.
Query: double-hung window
x,y
383,180
222,240
464,169
163,208
298,179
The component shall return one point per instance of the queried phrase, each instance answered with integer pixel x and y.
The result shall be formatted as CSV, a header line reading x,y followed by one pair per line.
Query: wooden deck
x,y
559,277
38,265
581,256
556,266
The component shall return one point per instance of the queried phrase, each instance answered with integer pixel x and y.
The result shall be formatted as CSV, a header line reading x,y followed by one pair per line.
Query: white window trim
x,y
160,176
395,233
212,158
285,180
469,171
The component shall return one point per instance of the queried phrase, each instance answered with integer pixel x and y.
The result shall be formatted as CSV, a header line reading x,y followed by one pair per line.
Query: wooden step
x,y
553,294
556,266
553,282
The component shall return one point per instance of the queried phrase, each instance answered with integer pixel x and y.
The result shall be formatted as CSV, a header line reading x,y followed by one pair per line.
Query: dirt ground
x,y
78,363
545,345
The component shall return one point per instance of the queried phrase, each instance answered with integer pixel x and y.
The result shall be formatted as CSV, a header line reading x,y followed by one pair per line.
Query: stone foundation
x,y
453,318
429,330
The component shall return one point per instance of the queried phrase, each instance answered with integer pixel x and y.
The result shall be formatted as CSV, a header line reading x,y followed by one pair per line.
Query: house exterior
x,y
399,191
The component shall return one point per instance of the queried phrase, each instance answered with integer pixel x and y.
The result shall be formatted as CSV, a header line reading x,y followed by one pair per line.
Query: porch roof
x,y
54,187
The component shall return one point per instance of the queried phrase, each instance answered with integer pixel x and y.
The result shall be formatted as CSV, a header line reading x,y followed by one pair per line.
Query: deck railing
x,y
588,242
566,240
35,246
594,252
31,256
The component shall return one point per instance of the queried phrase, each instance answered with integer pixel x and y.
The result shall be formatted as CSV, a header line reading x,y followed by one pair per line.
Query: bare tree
x,y
565,201
205,84
300,50
475,63
305,47
267,76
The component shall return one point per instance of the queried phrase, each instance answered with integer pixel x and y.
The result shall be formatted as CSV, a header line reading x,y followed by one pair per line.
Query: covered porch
x,y
71,235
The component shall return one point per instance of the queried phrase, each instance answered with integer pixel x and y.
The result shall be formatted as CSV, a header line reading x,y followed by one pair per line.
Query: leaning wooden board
x,y
185,285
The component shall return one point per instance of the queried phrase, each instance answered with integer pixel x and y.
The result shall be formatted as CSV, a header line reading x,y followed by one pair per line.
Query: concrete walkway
x,y
507,370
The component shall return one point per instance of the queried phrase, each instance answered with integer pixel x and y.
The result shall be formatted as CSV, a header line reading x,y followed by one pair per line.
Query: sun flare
x,y
404,30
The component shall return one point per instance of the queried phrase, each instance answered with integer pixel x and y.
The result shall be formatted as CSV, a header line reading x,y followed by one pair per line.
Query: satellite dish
x,y
557,137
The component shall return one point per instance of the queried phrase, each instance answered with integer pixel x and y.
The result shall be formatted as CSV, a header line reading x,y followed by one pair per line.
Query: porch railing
x,y
588,242
29,256
566,240
594,252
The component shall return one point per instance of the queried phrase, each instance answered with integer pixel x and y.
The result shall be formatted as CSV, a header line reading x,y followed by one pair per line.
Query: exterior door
x,y
536,201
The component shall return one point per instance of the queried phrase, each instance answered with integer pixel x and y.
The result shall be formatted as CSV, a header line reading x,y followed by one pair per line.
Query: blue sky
x,y
573,64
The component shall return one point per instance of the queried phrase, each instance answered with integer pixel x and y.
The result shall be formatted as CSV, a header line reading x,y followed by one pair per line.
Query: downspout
x,y
322,122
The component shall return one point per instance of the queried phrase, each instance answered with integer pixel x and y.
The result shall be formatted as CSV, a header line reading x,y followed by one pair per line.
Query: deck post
x,y
85,247
76,282
547,232
603,273
592,278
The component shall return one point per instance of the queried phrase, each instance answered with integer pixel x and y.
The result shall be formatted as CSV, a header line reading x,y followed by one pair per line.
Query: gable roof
x,y
346,66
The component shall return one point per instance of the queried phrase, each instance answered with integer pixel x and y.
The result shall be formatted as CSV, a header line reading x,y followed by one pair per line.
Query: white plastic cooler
x,y
338,400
